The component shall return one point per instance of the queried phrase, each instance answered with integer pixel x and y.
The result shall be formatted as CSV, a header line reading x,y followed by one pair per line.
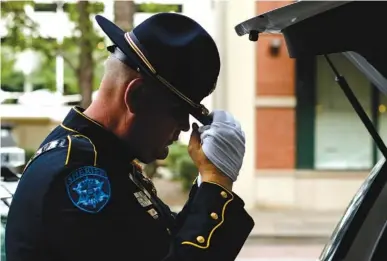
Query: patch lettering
x,y
88,188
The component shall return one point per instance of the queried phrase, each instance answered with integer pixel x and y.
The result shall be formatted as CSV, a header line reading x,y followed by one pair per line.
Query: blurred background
x,y
307,152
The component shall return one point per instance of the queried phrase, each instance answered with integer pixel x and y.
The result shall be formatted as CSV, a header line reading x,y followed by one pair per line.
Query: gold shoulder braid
x,y
147,182
137,164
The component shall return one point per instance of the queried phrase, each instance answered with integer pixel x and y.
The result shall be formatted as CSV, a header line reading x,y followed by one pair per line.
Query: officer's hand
x,y
195,150
208,171
222,146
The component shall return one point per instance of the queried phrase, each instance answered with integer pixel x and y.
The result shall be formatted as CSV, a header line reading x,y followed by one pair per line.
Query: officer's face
x,y
158,125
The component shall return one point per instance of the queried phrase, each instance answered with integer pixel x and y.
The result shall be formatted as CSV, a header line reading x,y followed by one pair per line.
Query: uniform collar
x,y
104,139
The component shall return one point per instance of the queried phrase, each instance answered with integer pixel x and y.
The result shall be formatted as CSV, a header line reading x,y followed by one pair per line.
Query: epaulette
x,y
81,149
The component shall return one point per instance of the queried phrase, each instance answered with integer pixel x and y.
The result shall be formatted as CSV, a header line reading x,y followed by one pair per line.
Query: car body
x,y
11,155
312,28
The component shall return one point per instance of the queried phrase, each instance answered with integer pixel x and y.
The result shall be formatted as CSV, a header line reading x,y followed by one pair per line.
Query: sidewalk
x,y
294,223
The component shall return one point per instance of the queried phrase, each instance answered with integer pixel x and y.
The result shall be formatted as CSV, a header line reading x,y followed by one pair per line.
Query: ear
x,y
133,95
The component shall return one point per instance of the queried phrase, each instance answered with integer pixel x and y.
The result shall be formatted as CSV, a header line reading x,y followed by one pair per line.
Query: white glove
x,y
223,142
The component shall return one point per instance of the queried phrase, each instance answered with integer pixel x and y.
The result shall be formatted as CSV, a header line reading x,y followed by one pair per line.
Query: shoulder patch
x,y
88,188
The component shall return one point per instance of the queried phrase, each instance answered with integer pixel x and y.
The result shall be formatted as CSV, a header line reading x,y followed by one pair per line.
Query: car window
x,y
358,232
6,138
4,133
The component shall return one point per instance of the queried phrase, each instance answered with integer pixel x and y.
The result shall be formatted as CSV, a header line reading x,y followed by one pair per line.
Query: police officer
x,y
83,197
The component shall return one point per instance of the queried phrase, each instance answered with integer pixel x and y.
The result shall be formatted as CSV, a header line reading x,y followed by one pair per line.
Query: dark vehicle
x,y
12,157
317,28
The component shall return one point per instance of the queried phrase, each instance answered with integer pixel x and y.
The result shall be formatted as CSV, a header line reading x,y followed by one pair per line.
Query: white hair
x,y
118,72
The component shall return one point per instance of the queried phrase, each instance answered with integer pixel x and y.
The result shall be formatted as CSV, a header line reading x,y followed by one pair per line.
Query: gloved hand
x,y
223,143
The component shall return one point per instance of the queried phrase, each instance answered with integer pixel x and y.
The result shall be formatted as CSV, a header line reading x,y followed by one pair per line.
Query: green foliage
x,y
11,80
181,165
187,171
83,25
17,23
176,151
44,76
156,8
28,154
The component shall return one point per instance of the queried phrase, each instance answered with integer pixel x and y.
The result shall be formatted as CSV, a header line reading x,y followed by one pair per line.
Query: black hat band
x,y
118,54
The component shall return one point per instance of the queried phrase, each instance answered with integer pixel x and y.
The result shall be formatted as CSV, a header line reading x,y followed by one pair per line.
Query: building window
x,y
341,141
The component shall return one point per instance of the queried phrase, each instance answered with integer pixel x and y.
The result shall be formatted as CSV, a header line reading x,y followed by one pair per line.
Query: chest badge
x,y
142,199
153,213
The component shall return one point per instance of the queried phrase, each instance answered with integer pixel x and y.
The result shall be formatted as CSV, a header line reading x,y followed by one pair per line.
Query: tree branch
x,y
70,63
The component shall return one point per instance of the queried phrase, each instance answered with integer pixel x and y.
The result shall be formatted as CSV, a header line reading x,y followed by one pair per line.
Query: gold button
x,y
200,239
214,215
223,194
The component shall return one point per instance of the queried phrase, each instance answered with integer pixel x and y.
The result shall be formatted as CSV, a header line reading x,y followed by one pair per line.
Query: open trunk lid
x,y
356,29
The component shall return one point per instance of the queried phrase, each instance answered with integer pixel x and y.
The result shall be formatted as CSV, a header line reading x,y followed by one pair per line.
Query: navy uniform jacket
x,y
80,198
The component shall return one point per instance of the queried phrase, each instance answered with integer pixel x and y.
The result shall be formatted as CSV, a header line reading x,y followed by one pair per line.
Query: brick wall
x,y
275,117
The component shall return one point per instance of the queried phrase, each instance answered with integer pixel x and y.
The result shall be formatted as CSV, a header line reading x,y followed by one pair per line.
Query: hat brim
x,y
117,36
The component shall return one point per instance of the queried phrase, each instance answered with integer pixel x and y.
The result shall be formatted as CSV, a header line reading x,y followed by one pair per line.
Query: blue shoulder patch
x,y
88,188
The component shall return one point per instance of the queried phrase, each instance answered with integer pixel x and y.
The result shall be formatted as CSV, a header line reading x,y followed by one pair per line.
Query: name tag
x,y
142,199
